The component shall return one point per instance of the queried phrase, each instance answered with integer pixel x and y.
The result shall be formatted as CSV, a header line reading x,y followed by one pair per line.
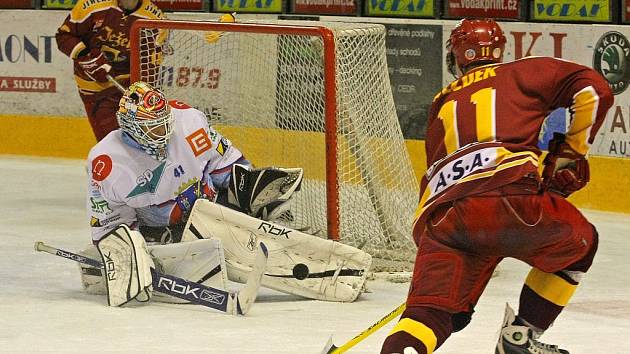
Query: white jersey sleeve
x,y
127,185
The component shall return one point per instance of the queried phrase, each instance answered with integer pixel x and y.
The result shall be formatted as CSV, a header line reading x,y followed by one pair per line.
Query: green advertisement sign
x,y
59,4
400,8
262,6
572,10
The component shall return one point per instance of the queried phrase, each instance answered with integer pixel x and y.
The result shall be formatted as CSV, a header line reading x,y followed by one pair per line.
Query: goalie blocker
x,y
298,264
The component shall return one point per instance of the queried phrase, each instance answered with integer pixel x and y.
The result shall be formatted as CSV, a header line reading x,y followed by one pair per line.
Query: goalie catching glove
x,y
127,266
263,193
95,65
566,171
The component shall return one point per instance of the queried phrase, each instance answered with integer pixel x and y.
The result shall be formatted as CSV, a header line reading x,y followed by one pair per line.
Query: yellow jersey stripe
x,y
584,108
84,8
418,330
77,49
550,286
149,11
528,156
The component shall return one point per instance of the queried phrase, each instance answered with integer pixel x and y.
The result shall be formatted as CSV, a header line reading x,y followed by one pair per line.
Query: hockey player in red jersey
x,y
95,35
482,198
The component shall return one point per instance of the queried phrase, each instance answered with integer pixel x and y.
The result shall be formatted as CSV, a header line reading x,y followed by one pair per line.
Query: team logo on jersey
x,y
178,104
612,59
100,206
94,222
199,141
222,146
101,167
148,181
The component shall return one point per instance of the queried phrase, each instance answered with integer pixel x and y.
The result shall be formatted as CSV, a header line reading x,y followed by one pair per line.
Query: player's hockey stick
x,y
120,87
218,299
330,348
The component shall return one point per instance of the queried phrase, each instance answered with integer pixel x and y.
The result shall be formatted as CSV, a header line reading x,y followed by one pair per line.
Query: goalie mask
x,y
144,114
474,42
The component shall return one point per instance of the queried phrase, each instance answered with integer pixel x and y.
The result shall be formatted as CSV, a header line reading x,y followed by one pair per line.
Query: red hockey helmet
x,y
474,41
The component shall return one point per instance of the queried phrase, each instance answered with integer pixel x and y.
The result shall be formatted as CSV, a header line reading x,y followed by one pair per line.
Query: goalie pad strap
x,y
127,266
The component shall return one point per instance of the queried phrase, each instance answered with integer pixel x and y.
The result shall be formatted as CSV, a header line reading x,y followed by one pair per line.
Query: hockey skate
x,y
521,339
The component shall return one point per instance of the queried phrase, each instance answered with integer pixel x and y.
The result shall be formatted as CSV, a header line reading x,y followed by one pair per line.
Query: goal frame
x,y
330,91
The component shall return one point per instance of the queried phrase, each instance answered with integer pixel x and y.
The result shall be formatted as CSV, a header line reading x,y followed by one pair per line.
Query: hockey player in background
x,y
482,198
95,35
148,178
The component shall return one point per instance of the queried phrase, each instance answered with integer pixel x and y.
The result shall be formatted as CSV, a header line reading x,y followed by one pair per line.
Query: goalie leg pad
x,y
127,266
200,261
298,263
263,193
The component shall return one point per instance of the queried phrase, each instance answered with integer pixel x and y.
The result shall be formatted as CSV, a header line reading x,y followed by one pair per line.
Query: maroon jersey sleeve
x,y
483,128
104,26
69,35
588,97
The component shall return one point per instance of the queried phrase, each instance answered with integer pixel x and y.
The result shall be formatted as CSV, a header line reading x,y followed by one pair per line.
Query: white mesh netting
x,y
265,92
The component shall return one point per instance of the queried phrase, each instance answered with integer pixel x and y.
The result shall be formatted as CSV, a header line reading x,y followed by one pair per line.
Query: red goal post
x,y
358,174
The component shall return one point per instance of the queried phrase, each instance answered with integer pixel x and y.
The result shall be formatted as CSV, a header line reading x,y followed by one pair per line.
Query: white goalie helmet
x,y
144,114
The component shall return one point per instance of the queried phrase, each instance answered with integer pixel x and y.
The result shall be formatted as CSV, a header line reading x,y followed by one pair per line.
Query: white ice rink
x,y
42,306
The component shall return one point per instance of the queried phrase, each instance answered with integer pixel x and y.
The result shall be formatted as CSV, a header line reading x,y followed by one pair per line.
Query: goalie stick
x,y
330,348
120,87
236,303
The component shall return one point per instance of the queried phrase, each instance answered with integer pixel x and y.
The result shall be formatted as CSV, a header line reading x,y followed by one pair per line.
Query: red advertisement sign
x,y
16,4
484,8
182,5
626,11
28,84
324,7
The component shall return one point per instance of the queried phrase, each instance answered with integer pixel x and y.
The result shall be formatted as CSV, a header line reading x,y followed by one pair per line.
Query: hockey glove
x,y
185,200
95,65
566,171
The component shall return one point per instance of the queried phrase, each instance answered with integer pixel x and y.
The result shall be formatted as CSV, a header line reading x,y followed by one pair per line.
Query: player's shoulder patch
x,y
101,167
84,8
199,141
178,104
149,11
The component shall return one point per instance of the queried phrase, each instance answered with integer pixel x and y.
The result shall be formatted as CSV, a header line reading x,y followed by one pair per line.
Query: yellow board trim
x,y
46,136
418,330
550,286
72,137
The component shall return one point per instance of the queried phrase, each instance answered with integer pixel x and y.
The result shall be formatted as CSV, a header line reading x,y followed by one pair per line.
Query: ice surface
x,y
42,306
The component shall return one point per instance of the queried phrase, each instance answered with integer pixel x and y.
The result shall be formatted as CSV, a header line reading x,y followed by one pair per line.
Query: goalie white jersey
x,y
129,186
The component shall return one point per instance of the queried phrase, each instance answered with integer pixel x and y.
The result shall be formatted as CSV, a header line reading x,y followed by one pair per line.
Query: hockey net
x,y
290,95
